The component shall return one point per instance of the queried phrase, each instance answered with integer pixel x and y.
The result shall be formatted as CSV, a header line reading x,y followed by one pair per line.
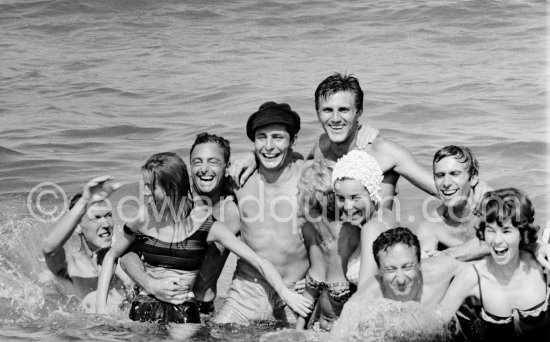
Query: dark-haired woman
x,y
510,283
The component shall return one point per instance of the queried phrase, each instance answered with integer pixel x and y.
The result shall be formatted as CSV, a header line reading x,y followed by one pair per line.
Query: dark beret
x,y
273,113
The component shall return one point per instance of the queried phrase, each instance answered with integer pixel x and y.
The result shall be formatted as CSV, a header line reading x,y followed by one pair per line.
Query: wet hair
x,y
392,237
204,138
462,154
168,170
508,204
337,83
315,192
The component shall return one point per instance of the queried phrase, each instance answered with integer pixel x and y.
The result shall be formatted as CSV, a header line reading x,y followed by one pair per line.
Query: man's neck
x,y
273,175
340,149
457,215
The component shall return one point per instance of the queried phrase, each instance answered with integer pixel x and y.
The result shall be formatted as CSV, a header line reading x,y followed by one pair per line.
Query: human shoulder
x,y
229,215
467,276
139,220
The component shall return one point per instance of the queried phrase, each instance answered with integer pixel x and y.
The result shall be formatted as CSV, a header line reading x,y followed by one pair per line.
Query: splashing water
x,y
388,320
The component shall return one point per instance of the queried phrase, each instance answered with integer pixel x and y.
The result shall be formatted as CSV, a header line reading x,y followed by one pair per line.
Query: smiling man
x,y
401,275
268,209
339,105
91,218
451,226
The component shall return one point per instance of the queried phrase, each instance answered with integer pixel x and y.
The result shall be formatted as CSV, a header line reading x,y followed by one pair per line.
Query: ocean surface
x,y
94,87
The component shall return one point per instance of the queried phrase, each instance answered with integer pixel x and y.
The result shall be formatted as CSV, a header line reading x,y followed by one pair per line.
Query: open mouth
x,y
500,251
205,179
449,192
351,216
270,156
106,233
336,127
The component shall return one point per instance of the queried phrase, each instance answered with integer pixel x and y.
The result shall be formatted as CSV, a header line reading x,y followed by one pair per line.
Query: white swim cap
x,y
362,167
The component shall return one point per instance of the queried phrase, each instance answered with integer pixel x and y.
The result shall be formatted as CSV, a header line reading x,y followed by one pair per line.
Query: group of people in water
x,y
311,234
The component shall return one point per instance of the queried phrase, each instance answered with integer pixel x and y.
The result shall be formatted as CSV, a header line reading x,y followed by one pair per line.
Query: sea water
x,y
94,87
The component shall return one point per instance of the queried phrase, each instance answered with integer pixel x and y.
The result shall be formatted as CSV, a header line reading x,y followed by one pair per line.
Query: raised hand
x,y
241,169
98,189
366,136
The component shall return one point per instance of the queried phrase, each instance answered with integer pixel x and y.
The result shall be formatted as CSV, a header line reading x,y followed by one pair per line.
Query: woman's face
x,y
158,196
503,241
353,201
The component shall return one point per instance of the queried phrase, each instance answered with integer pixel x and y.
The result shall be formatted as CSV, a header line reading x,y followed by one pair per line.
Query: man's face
x,y
207,167
97,226
400,271
272,145
339,116
452,181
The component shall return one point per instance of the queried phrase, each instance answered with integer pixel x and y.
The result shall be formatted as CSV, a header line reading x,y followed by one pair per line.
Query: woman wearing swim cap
x,y
356,180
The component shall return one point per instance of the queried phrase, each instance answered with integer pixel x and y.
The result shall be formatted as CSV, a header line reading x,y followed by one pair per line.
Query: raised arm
x,y
368,268
98,189
108,268
219,233
392,156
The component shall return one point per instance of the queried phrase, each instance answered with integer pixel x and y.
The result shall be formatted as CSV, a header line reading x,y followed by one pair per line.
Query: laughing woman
x,y
510,283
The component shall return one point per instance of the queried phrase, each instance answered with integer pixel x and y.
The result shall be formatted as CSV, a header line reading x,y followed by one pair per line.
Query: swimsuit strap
x,y
479,284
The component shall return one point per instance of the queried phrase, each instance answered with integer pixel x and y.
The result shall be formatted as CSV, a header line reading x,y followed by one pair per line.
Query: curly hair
x,y
508,204
339,83
315,193
392,237
206,137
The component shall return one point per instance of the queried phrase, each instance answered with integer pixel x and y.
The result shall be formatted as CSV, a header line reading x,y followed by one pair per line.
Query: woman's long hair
x,y
168,170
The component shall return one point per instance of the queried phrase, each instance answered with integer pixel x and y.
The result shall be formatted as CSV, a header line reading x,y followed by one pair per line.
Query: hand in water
x,y
298,303
168,289
98,189
366,136
241,169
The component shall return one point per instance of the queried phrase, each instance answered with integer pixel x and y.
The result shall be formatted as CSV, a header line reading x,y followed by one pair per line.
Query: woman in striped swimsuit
x,y
172,238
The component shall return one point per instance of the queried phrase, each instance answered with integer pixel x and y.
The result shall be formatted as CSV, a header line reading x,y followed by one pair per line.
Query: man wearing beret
x,y
268,208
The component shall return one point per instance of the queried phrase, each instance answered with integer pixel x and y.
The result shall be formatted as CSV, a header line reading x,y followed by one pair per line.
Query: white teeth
x,y
449,192
206,179
500,251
